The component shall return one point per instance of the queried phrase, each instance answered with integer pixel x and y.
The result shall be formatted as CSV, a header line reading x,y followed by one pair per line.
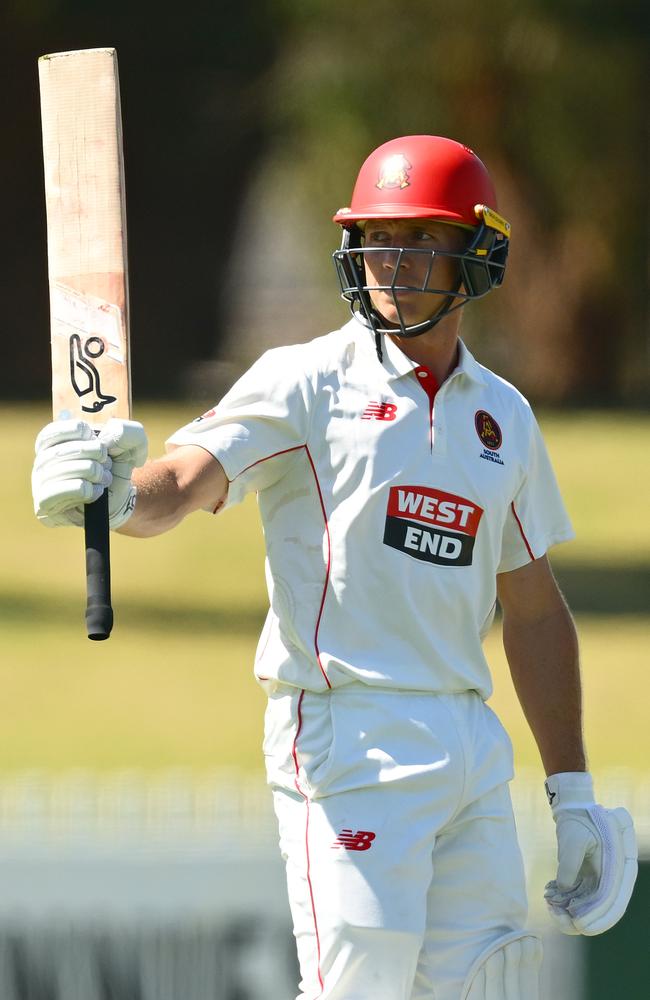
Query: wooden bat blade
x,y
86,234
87,265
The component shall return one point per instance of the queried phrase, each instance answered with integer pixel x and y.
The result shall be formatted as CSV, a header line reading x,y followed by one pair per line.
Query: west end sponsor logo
x,y
432,525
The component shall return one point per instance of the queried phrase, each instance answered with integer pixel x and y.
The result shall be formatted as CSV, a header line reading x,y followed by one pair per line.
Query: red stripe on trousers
x,y
294,752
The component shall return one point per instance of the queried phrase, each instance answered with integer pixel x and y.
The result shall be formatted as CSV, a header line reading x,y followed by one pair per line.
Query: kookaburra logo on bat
x,y
394,172
84,374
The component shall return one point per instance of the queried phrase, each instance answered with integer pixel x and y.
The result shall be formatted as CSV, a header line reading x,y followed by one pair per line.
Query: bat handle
x,y
99,613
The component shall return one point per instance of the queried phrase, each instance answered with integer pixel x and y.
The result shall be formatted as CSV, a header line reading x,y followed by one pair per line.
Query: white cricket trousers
x,y
397,831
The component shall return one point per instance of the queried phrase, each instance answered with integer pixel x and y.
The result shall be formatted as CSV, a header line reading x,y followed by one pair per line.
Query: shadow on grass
x,y
32,609
589,589
606,589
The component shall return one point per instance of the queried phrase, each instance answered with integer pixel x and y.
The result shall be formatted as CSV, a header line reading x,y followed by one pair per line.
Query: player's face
x,y
417,234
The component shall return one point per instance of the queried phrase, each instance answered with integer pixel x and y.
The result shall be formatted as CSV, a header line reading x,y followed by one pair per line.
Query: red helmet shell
x,y
420,177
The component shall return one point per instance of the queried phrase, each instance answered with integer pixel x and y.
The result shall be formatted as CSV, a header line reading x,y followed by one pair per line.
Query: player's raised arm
x,y
171,487
72,467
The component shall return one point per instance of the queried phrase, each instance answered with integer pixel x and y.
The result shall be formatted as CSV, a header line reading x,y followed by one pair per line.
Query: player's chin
x,y
411,308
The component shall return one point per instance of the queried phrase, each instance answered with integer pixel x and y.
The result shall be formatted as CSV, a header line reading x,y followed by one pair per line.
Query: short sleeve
x,y
259,425
536,518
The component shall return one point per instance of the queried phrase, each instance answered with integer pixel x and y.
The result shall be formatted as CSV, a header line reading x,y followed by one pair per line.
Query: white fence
x,y
128,888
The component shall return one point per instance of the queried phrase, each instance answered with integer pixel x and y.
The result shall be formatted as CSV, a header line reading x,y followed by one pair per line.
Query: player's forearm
x,y
160,500
189,478
543,658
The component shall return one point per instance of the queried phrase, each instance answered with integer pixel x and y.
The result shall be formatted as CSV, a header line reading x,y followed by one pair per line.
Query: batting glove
x,y
597,857
73,466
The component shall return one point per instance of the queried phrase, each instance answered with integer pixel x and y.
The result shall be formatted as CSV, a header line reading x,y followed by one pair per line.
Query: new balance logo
x,y
359,841
379,411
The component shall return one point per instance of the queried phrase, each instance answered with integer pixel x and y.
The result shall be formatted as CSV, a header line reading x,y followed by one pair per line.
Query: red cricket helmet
x,y
420,177
423,177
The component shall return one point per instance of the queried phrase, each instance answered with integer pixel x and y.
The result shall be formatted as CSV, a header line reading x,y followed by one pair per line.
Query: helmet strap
x,y
378,347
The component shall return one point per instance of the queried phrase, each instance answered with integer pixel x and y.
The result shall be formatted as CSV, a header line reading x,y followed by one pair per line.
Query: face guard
x,y
481,267
421,177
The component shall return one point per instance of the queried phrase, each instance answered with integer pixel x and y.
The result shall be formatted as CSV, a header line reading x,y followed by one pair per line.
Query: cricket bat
x,y
87,267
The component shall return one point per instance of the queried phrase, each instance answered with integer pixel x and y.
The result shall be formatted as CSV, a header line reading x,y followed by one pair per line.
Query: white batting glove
x,y
127,445
597,857
73,466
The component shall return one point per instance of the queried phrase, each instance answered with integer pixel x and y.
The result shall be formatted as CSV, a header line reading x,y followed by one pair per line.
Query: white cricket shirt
x,y
388,509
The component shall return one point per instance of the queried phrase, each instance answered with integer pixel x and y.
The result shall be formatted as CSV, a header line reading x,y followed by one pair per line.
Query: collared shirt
x,y
389,506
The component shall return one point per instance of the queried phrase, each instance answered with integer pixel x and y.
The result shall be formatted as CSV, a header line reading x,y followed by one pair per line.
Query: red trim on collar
x,y
429,383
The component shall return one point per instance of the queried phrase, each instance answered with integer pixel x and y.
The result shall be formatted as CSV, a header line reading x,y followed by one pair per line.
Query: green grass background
x,y
173,687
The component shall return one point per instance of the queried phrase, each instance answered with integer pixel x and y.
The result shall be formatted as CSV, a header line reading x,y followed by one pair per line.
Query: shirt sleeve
x,y
536,518
259,426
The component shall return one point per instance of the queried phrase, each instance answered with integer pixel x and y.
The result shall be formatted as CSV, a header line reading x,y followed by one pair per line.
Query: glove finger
x,y
93,449
561,919
575,844
550,889
62,430
61,472
552,894
57,497
71,518
125,439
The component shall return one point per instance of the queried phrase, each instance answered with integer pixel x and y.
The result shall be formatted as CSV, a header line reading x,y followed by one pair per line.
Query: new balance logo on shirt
x,y
359,841
379,411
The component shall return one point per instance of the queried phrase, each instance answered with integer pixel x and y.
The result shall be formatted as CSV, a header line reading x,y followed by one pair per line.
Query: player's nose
x,y
396,260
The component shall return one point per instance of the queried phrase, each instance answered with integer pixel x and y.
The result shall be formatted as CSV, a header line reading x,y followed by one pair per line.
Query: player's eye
x,y
378,236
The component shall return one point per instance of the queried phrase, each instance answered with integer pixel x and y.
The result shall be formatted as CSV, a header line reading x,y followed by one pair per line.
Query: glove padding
x,y
73,466
597,858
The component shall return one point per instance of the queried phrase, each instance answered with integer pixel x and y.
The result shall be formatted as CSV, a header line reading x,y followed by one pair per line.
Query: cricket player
x,y
404,489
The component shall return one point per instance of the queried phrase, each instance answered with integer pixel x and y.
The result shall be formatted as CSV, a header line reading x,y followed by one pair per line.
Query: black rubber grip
x,y
99,613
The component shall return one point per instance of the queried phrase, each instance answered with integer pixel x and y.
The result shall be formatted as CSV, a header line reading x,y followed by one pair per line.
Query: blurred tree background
x,y
245,125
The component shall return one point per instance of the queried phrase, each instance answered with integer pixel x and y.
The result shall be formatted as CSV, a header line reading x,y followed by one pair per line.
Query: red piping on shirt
x,y
294,753
523,534
275,454
327,532
220,503
329,562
